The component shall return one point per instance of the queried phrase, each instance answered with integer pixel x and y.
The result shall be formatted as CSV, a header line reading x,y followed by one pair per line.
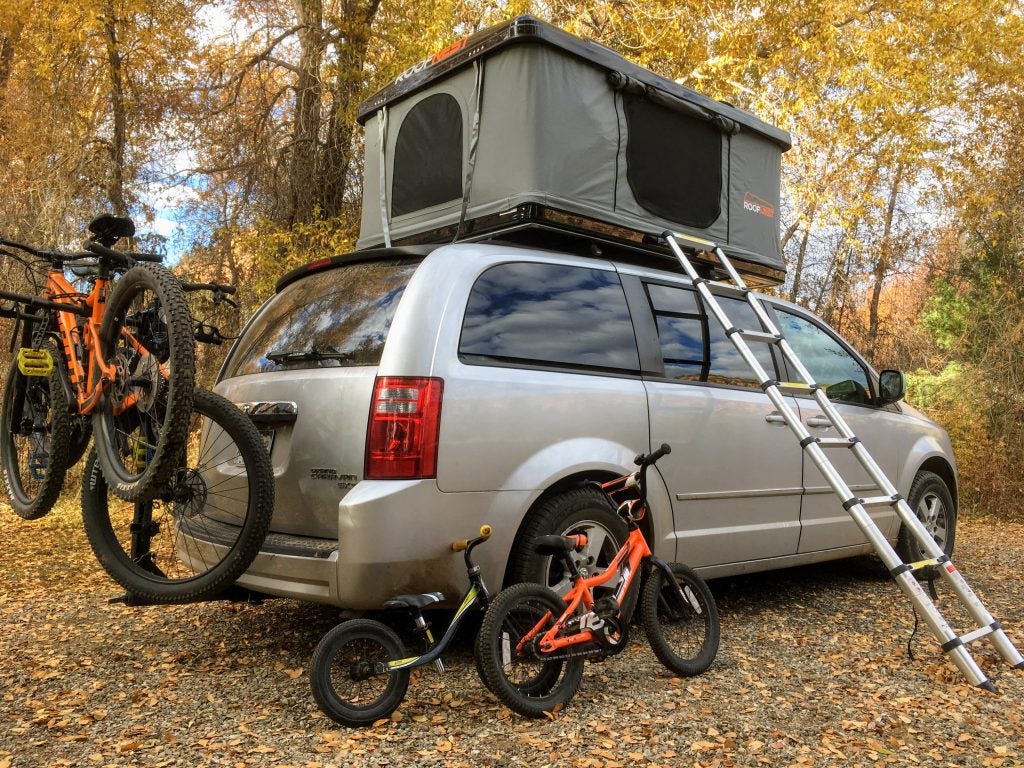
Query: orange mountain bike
x,y
532,643
117,359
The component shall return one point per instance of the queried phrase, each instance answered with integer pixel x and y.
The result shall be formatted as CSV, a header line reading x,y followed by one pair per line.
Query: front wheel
x,y
680,618
35,429
521,678
206,524
146,334
931,501
347,675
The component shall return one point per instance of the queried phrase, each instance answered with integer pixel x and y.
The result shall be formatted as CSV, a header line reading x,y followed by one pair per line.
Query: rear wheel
x,y
206,524
524,681
34,434
346,677
680,618
581,510
147,335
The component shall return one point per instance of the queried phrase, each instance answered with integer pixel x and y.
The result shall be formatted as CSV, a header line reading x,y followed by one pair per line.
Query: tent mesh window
x,y
425,178
673,163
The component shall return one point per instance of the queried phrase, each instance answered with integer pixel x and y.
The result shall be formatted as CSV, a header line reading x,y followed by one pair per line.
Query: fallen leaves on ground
x,y
813,671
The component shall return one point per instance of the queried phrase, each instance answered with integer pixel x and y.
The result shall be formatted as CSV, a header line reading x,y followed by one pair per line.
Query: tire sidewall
x,y
561,514
928,483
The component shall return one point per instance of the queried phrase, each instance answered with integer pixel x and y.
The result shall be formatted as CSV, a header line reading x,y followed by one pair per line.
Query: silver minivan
x,y
409,395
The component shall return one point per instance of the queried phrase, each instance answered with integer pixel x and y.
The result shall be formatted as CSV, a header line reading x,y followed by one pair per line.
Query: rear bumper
x,y
394,537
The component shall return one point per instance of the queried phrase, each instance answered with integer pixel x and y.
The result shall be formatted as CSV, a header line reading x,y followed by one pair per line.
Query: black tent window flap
x,y
428,156
673,163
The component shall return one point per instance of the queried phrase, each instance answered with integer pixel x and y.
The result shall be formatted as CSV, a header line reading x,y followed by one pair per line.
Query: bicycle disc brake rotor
x,y
188,494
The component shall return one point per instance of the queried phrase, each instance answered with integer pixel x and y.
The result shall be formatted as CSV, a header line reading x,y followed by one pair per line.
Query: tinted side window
x,y
681,331
831,365
549,314
727,367
694,346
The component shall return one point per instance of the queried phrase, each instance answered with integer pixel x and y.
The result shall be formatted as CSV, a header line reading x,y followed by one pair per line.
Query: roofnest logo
x,y
754,203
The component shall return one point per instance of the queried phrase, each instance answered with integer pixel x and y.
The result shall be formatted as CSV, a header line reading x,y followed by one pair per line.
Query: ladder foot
x,y
988,685
1019,666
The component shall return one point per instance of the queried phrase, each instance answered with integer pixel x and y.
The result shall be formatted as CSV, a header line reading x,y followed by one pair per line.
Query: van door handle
x,y
775,418
819,421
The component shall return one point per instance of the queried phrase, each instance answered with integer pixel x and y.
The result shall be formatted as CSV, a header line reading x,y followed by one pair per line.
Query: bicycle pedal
x,y
35,362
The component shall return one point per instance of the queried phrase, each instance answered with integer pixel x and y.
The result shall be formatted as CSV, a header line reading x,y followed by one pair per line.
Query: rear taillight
x,y
405,416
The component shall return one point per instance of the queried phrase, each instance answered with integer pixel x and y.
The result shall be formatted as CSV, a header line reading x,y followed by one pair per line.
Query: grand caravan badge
x,y
758,205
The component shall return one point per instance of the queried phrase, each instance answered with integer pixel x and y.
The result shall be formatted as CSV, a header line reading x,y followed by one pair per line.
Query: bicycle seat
x,y
414,601
108,229
559,545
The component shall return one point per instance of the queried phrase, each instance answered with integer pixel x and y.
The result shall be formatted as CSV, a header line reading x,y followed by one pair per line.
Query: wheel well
x,y
566,484
941,467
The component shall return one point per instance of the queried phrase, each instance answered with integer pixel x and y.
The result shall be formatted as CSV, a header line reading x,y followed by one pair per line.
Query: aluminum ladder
x,y
955,646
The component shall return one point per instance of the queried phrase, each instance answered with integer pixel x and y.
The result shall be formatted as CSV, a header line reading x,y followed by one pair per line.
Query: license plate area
x,y
267,436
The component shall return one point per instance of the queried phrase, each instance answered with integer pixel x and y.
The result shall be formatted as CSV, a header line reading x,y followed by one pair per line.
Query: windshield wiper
x,y
304,355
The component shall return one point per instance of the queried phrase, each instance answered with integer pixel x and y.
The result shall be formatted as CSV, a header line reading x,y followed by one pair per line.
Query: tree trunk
x,y
795,290
882,263
305,147
345,91
119,139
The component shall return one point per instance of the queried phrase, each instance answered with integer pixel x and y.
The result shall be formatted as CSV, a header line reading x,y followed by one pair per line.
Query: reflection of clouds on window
x,y
346,310
550,313
681,339
727,365
824,357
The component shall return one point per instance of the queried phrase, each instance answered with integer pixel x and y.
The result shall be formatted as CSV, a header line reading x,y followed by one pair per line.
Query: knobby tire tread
x,y
541,695
24,505
688,665
139,581
182,362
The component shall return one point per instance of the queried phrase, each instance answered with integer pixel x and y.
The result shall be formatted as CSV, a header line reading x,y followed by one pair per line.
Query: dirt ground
x,y
813,671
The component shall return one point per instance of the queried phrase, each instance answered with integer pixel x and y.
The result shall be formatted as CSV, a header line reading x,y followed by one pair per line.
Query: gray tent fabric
x,y
564,132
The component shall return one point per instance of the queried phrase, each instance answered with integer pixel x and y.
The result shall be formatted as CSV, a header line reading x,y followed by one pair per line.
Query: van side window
x,y
549,315
694,346
828,361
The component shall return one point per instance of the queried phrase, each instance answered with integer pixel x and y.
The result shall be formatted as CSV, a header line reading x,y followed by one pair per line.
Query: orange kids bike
x,y
117,360
532,642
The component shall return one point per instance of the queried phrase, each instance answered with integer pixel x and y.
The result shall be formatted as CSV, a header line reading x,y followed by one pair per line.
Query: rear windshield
x,y
335,318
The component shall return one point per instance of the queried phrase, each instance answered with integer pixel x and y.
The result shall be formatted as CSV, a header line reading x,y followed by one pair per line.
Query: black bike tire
x,y
182,362
540,695
334,705
652,618
24,503
138,580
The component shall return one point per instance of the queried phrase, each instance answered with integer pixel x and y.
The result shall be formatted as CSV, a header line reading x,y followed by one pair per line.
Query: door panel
x,y
845,378
733,474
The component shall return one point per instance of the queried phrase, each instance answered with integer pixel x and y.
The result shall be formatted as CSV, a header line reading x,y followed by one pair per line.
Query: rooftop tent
x,y
523,126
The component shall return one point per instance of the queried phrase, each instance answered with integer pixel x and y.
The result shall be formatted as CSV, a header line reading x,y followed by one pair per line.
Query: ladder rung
x,y
977,634
767,338
793,387
729,289
836,442
880,501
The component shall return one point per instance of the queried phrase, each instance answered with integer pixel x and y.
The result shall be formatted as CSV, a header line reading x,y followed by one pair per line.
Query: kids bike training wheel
x,y
684,638
34,433
146,334
345,673
207,522
521,679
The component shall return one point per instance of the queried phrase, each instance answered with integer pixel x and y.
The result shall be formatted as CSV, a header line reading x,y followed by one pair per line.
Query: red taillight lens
x,y
405,417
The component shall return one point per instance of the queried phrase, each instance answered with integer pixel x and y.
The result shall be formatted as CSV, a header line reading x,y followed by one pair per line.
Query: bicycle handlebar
x,y
126,260
647,460
461,544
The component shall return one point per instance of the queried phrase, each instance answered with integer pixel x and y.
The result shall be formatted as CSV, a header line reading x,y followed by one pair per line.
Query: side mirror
x,y
891,387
